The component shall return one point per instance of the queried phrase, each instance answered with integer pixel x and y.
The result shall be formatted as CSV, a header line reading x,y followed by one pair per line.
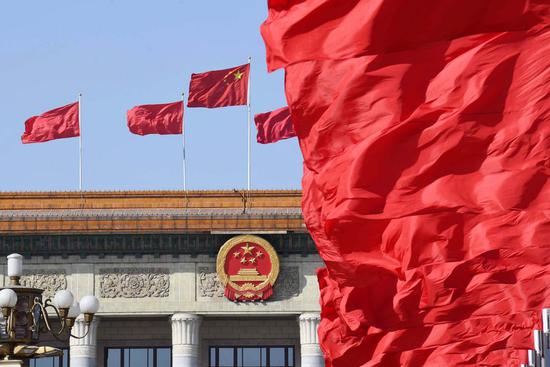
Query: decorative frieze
x,y
50,281
134,283
208,283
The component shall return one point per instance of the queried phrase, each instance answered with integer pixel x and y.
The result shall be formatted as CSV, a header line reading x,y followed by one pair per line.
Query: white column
x,y
185,340
312,356
83,352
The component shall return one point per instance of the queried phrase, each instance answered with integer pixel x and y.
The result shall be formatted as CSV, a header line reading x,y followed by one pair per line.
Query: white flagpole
x,y
183,141
249,137
80,140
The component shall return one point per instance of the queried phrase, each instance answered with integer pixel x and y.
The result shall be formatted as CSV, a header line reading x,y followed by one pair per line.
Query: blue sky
x,y
121,53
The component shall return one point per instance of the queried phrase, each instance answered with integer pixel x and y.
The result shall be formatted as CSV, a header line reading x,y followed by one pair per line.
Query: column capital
x,y
80,328
185,328
185,317
185,339
313,316
83,352
309,322
309,340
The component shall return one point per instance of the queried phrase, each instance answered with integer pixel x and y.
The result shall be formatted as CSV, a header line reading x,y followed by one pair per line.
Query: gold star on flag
x,y
236,254
247,249
238,75
243,261
252,260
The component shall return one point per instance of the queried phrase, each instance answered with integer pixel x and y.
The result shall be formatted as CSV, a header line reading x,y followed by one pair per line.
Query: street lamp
x,y
26,315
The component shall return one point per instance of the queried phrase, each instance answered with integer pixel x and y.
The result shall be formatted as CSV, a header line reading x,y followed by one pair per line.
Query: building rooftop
x,y
150,212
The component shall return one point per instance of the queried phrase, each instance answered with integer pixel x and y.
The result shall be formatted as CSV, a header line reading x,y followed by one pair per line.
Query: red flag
x,y
59,123
163,119
274,126
220,88
426,161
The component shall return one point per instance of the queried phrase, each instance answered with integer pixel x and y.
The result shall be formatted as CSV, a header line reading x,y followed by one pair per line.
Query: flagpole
x,y
183,142
249,137
80,140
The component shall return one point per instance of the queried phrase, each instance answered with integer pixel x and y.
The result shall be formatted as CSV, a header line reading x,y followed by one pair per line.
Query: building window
x,y
251,356
138,357
62,361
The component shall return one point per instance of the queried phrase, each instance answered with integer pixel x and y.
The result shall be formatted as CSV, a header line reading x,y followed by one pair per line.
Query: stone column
x,y
185,340
310,350
83,352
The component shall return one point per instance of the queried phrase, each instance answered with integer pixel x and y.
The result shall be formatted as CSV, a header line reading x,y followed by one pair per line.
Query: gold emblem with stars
x,y
247,281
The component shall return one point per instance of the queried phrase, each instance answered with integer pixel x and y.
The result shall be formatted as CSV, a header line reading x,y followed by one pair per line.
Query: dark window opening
x,y
61,361
138,357
265,356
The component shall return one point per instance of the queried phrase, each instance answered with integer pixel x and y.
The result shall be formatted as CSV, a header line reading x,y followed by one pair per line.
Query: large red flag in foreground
x,y
59,123
274,126
426,144
219,88
160,119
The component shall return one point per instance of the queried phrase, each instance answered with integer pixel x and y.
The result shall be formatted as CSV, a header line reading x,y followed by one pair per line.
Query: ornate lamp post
x,y
26,315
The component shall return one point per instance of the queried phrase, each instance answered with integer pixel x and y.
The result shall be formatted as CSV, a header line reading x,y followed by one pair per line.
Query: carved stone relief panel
x,y
288,283
50,281
208,283
134,283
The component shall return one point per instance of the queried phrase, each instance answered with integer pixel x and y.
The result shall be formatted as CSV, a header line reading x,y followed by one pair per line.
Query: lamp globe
x,y
63,299
8,298
89,304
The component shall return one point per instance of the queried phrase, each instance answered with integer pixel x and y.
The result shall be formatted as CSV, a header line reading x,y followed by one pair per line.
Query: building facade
x,y
151,259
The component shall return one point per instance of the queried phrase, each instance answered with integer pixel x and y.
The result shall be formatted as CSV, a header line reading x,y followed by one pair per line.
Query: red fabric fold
x,y
163,119
302,30
425,143
274,126
58,123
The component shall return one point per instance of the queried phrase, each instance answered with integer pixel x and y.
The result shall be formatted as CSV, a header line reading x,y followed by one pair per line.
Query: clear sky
x,y
121,53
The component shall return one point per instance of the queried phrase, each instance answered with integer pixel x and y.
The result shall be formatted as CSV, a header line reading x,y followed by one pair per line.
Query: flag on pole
x,y
426,181
163,119
220,88
58,123
274,126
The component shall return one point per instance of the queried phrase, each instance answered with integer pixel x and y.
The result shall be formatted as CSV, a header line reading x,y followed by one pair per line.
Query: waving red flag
x,y
274,126
219,88
58,123
160,119
426,188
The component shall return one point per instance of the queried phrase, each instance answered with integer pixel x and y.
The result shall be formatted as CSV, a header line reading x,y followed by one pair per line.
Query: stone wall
x,y
150,285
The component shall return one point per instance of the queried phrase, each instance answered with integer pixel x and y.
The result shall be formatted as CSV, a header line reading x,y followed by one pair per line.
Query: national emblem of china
x,y
248,267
